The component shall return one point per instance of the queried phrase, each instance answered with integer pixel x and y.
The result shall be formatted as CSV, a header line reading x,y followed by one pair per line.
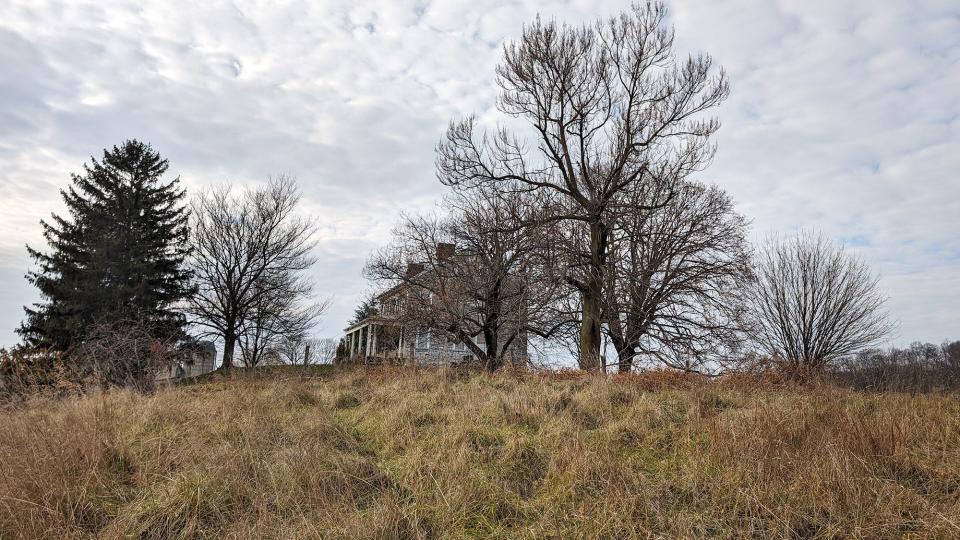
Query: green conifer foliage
x,y
117,257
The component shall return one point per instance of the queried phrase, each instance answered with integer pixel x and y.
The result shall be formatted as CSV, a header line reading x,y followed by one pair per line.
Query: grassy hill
x,y
404,454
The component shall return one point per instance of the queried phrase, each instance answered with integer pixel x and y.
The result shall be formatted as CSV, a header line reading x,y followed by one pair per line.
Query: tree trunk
x,y
623,347
625,353
491,332
494,358
229,344
590,333
592,301
627,348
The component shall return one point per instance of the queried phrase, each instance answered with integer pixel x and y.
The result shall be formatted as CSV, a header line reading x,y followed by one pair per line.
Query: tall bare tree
x,y
250,252
674,288
611,109
814,302
478,272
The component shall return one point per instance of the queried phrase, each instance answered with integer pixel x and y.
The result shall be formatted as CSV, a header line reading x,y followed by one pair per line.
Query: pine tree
x,y
118,257
367,308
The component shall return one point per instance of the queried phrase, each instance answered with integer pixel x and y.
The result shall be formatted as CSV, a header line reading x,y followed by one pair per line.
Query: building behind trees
x,y
400,328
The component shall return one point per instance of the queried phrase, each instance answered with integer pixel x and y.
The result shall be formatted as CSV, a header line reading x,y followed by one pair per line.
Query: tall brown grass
x,y
426,454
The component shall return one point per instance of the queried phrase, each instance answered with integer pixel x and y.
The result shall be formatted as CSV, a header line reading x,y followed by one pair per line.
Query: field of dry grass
x,y
388,454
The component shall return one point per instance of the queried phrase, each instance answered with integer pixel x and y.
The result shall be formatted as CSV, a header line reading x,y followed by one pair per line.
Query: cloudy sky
x,y
844,116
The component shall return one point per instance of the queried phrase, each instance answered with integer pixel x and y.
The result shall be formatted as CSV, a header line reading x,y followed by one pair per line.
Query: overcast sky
x,y
844,116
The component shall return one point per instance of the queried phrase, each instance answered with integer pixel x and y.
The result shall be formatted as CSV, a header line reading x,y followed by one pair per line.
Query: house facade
x,y
381,339
199,360
385,338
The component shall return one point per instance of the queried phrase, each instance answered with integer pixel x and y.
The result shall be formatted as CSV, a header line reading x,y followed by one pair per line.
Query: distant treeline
x,y
921,367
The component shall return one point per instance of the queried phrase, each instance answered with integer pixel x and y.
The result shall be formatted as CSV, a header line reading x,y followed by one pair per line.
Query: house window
x,y
423,339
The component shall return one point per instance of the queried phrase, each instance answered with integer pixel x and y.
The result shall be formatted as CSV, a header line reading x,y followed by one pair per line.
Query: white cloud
x,y
843,116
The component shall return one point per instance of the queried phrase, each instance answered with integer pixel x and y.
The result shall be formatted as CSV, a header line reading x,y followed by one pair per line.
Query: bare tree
x,y
478,275
323,351
249,254
674,289
611,109
813,302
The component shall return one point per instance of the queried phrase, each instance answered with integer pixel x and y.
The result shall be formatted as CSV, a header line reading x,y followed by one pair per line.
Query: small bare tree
x,y
477,273
250,252
813,302
611,108
674,289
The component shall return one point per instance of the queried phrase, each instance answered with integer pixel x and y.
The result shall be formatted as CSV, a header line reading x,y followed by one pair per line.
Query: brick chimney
x,y
414,269
444,251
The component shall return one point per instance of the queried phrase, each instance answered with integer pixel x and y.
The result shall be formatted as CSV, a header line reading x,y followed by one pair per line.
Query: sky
x,y
844,117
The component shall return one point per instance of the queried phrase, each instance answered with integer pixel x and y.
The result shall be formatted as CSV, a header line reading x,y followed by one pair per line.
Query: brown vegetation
x,y
408,454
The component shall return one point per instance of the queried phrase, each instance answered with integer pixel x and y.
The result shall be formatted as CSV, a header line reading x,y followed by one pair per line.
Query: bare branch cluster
x,y
921,367
813,302
123,354
478,275
612,109
297,349
251,252
674,292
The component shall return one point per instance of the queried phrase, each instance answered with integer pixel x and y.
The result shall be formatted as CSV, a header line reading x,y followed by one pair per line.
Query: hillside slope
x,y
387,454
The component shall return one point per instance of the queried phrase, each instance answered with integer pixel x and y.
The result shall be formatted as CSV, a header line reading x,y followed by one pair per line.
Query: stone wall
x,y
442,352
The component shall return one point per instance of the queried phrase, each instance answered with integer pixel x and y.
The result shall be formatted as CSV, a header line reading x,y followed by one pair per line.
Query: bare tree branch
x,y
250,254
814,302
612,109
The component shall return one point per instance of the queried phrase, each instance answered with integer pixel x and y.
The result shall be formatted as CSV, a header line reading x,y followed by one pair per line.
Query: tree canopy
x,y
117,256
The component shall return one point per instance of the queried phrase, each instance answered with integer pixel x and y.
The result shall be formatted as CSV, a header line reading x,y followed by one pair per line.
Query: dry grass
x,y
389,454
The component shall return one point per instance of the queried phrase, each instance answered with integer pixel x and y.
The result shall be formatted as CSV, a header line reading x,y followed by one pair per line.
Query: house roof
x,y
368,320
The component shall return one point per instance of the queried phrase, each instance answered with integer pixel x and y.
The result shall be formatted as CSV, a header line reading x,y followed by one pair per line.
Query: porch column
x,y
366,341
373,347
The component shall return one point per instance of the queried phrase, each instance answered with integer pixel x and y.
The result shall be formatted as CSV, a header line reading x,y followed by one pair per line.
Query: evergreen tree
x,y
119,255
367,308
